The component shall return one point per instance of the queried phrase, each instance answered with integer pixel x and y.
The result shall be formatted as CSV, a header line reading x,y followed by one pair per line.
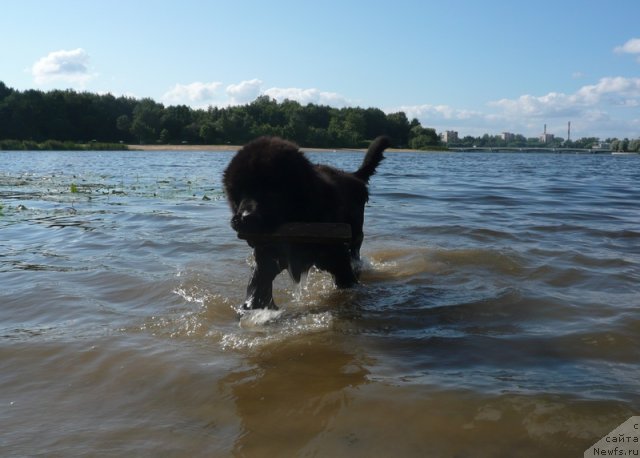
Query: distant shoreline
x,y
237,147
183,147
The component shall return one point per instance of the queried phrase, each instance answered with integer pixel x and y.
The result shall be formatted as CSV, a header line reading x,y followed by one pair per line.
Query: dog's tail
x,y
372,158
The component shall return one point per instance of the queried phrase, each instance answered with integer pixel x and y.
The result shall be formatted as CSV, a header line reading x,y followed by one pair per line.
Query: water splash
x,y
252,319
260,328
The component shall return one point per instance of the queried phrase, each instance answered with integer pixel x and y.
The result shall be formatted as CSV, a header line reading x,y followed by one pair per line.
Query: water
x,y
497,314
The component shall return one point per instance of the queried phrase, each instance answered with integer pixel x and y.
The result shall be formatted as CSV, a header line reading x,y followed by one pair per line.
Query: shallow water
x,y
498,312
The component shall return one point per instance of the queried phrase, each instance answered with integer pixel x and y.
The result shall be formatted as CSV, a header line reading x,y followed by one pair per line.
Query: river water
x,y
497,315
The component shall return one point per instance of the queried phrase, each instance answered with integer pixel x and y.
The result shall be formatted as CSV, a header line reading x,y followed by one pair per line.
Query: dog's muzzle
x,y
247,217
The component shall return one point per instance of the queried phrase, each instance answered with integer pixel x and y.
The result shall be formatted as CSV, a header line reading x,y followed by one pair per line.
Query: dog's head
x,y
266,183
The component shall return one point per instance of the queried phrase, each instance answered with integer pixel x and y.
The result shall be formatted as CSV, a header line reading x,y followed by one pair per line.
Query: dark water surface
x,y
498,313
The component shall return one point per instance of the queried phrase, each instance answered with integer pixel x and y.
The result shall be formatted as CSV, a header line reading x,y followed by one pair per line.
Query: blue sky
x,y
477,67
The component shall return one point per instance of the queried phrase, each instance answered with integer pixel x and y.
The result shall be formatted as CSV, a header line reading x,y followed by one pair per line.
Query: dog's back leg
x,y
260,288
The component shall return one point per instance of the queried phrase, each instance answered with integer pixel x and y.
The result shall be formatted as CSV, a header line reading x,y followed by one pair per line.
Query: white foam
x,y
258,318
197,297
263,327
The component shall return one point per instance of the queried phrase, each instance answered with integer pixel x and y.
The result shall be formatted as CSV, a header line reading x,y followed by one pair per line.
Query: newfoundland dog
x,y
270,182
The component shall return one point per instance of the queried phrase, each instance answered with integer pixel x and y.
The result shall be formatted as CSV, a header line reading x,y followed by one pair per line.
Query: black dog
x,y
270,182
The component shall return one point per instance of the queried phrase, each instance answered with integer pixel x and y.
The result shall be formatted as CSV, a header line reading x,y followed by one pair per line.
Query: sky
x,y
476,67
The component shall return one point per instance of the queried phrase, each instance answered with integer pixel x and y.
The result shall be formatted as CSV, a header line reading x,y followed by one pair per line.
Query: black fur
x,y
270,182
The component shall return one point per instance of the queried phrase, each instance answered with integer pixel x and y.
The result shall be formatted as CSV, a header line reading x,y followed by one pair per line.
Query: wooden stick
x,y
324,233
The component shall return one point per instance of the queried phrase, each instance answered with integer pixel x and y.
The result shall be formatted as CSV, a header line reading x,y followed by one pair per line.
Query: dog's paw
x,y
253,304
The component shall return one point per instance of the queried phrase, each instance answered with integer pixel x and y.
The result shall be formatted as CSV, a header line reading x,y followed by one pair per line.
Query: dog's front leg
x,y
260,288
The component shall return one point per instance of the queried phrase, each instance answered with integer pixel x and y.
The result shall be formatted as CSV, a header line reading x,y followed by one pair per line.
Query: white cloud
x,y
553,104
71,66
445,117
630,47
436,113
248,91
595,109
305,96
197,93
610,91
244,92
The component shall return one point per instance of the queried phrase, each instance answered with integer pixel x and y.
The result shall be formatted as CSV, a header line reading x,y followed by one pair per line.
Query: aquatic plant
x,y
74,188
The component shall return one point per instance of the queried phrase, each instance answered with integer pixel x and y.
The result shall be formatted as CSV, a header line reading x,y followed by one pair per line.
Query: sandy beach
x,y
184,147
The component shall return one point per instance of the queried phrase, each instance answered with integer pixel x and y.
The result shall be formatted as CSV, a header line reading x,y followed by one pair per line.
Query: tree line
x,y
84,117
520,141
64,119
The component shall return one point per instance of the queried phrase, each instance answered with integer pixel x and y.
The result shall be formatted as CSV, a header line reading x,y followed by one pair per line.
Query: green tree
x,y
4,91
123,123
209,134
375,123
398,128
421,137
175,120
146,120
317,116
625,145
81,117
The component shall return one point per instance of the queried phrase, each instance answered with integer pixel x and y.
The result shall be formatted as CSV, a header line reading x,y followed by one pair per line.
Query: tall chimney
x,y
569,131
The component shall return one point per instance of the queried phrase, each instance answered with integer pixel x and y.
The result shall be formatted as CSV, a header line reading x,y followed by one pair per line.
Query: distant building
x,y
507,136
545,137
449,136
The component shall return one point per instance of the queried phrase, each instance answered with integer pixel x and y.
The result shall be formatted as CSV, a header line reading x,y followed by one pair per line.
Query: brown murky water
x,y
498,313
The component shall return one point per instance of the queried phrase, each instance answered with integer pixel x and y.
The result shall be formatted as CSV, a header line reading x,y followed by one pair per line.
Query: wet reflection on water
x,y
292,394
